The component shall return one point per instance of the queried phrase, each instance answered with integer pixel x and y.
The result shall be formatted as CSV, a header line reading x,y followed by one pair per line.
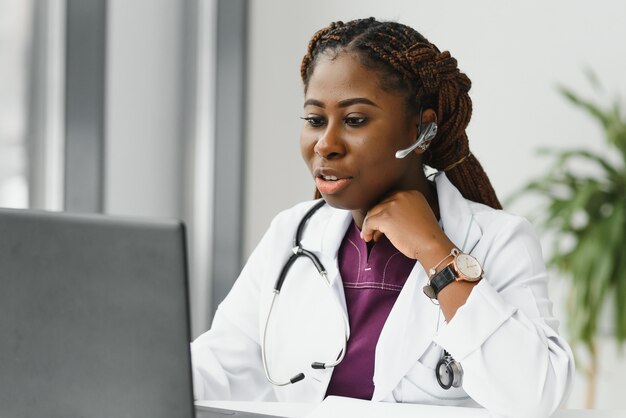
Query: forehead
x,y
342,76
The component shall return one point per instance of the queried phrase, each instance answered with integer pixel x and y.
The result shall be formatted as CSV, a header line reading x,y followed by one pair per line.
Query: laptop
x,y
94,318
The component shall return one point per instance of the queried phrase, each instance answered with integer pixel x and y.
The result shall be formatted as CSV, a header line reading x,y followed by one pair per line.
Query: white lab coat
x,y
504,336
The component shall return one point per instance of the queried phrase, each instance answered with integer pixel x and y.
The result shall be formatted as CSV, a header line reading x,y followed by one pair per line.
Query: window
x,y
16,23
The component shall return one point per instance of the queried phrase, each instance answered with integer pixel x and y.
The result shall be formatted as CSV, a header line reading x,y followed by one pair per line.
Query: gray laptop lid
x,y
93,317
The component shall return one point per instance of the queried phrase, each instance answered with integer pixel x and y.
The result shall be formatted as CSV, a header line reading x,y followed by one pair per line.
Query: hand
x,y
410,225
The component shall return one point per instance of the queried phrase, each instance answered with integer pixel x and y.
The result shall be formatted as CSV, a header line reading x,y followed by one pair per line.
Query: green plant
x,y
585,215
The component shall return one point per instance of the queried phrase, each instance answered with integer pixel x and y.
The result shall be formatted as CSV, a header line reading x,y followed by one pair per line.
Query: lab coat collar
x,y
457,217
324,239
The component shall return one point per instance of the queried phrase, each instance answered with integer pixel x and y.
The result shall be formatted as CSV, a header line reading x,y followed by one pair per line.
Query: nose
x,y
330,145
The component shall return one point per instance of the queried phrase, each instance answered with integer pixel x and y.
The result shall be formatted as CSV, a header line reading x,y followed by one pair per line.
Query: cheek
x,y
307,147
377,150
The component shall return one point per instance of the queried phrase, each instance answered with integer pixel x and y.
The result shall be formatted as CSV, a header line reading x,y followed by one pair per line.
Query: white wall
x,y
515,53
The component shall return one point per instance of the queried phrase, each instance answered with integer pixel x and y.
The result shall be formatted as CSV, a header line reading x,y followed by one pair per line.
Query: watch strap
x,y
441,279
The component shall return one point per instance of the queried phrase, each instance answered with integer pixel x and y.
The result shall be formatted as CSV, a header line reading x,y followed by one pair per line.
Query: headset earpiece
x,y
423,140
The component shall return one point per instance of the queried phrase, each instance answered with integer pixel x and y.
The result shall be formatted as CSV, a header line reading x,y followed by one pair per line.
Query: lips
x,y
329,181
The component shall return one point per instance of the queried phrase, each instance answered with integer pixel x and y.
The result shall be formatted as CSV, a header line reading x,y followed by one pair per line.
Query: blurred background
x,y
190,109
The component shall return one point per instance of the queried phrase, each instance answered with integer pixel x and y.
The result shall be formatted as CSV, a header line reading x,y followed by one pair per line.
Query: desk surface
x,y
344,407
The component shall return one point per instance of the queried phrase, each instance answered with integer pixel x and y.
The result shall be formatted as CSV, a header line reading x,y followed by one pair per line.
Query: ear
x,y
428,116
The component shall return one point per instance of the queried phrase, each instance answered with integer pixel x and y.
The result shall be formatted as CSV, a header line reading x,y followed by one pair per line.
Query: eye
x,y
314,121
355,121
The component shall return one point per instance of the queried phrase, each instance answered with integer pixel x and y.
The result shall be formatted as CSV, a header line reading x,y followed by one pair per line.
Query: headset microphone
x,y
423,141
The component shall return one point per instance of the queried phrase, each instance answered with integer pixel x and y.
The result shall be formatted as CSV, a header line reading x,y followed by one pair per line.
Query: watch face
x,y
468,266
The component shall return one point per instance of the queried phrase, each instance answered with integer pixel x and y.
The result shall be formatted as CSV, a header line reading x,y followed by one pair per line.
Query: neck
x,y
423,186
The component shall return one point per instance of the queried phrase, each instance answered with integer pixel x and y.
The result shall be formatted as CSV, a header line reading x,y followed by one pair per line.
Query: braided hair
x,y
409,64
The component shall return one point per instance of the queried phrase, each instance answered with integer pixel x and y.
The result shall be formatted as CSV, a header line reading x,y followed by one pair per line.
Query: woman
x,y
441,296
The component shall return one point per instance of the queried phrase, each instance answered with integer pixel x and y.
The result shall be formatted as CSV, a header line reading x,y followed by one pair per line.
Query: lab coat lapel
x,y
457,218
331,240
323,236
408,331
412,322
324,240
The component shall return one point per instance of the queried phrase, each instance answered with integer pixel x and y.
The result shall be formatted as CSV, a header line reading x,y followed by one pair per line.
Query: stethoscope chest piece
x,y
449,372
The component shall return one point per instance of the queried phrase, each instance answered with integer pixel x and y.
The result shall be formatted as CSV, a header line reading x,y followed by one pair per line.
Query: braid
x,y
454,110
429,78
333,37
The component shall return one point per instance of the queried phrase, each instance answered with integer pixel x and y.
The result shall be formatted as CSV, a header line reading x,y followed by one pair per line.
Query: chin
x,y
342,203
335,202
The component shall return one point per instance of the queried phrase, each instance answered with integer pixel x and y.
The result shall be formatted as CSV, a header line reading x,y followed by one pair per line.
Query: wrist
x,y
455,288
434,258
453,296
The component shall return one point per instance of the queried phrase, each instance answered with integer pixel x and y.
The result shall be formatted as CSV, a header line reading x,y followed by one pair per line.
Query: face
x,y
351,133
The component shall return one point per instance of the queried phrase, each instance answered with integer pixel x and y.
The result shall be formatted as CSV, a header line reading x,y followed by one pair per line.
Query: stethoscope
x,y
448,371
298,251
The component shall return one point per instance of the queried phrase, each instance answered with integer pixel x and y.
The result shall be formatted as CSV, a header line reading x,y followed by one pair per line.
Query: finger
x,y
389,197
372,227
377,236
383,203
377,209
367,234
367,229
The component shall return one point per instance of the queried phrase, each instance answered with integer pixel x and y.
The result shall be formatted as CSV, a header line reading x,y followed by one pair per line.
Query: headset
x,y
423,140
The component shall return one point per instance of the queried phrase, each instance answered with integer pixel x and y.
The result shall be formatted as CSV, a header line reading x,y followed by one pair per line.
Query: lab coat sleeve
x,y
505,336
226,360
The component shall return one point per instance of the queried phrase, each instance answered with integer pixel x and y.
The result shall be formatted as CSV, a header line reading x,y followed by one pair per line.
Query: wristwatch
x,y
463,267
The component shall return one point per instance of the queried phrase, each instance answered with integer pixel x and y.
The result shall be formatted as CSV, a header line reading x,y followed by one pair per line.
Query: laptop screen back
x,y
93,317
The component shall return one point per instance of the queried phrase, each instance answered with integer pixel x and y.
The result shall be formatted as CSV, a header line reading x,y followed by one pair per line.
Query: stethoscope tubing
x,y
298,252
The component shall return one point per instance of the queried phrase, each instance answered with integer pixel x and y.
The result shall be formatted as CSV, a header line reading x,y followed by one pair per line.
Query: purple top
x,y
371,285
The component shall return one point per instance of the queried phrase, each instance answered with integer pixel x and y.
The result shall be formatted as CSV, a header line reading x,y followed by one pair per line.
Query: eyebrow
x,y
343,103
